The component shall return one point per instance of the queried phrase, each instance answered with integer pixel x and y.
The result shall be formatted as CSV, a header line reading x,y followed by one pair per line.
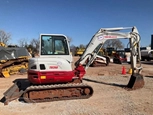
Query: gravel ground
x,y
109,98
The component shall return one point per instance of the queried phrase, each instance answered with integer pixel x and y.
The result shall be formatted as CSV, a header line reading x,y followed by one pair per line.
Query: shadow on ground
x,y
149,76
101,82
147,62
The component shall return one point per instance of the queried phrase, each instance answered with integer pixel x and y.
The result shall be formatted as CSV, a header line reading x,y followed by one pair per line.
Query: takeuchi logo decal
x,y
109,36
106,37
53,67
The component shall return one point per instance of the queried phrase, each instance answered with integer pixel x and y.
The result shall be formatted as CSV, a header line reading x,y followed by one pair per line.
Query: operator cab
x,y
54,45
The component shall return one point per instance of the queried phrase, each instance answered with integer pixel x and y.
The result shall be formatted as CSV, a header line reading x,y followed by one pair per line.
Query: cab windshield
x,y
54,45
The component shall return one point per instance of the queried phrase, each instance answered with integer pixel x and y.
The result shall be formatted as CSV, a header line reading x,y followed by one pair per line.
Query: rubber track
x,y
59,86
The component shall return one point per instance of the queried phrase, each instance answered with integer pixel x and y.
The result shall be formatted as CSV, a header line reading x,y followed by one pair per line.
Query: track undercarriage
x,y
57,92
47,93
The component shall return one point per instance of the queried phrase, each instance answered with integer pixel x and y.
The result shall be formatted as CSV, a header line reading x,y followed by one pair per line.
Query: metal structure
x,y
152,42
100,60
51,77
146,55
13,60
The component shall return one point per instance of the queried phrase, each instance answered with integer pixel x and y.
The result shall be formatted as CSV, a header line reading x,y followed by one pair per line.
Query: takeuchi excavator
x,y
51,77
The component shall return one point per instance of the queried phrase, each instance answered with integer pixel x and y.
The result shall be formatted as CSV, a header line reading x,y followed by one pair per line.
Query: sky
x,y
78,19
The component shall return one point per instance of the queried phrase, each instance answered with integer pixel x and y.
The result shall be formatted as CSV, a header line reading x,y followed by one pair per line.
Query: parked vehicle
x,y
120,57
146,55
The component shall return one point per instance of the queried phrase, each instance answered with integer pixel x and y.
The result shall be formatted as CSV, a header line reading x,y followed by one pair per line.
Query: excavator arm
x,y
105,34
98,41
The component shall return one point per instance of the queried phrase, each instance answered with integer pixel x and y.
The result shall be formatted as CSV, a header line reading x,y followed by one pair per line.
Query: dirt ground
x,y
109,98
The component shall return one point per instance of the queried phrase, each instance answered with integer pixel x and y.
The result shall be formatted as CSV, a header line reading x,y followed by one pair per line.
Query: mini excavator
x,y
51,77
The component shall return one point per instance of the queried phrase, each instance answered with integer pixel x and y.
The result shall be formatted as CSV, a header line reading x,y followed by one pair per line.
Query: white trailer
x,y
146,55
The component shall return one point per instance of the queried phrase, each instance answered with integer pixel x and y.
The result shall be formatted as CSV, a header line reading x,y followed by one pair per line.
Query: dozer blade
x,y
12,93
136,81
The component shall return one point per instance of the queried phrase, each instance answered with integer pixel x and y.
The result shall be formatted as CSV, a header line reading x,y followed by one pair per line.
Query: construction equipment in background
x,y
51,77
79,51
13,59
146,55
123,56
110,51
100,60
147,52
120,57
2,44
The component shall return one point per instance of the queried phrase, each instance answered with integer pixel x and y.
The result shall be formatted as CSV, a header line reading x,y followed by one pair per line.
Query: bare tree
x,y
35,44
23,42
73,49
116,44
82,46
69,39
4,37
108,43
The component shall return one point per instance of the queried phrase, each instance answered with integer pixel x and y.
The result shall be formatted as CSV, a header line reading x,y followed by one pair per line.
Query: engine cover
x,y
49,70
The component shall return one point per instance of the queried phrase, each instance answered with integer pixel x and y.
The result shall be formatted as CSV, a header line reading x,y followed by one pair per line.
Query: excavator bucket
x,y
136,81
